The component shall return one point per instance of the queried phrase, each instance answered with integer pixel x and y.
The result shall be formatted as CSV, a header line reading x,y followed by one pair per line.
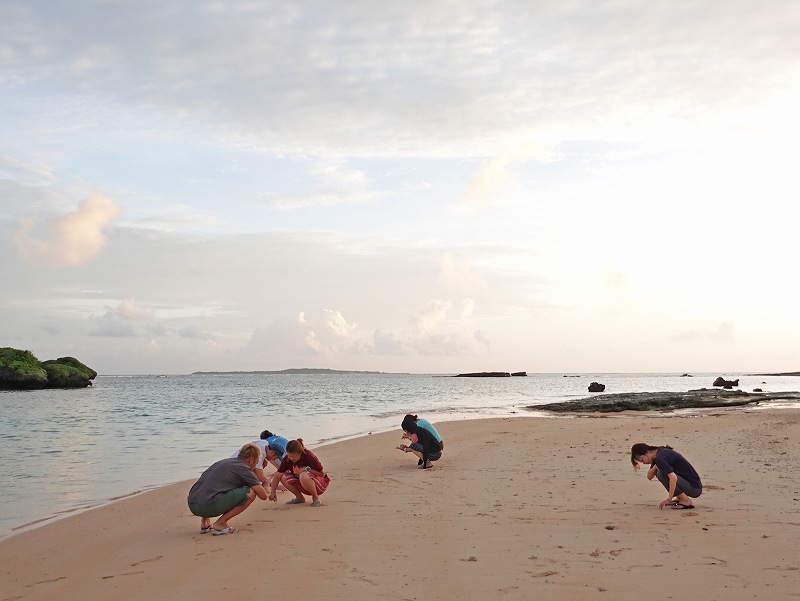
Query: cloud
x,y
489,182
337,325
76,238
723,335
109,325
430,317
129,309
377,79
51,329
194,333
385,343
326,183
457,275
317,335
462,343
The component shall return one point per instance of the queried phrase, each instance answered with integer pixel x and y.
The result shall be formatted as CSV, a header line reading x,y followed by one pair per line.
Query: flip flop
x,y
206,530
294,502
682,506
316,503
227,530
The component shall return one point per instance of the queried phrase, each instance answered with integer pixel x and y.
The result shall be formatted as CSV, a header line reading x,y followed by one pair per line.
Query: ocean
x,y
63,451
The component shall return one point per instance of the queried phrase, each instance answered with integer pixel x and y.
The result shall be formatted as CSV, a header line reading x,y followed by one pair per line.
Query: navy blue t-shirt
x,y
669,461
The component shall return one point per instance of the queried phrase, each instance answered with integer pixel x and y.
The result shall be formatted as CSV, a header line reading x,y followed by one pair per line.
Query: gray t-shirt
x,y
221,477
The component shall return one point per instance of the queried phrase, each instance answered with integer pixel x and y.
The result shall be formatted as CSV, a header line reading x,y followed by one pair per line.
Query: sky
x,y
424,187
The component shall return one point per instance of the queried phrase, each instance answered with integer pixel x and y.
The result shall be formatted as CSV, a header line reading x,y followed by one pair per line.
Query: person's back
x,y
423,423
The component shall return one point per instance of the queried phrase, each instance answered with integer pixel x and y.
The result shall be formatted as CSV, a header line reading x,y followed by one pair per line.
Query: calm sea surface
x,y
62,451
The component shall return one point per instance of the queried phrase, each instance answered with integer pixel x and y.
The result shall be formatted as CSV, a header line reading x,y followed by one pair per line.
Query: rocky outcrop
x,y
597,387
720,381
21,370
664,401
519,373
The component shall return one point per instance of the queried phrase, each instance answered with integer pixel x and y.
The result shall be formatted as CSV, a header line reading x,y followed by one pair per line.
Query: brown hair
x,y
641,448
249,451
295,446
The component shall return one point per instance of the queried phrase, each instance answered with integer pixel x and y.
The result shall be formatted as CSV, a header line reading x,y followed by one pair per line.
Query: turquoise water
x,y
65,450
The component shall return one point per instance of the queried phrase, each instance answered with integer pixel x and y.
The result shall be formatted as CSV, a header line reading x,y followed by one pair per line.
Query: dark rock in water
x,y
757,390
663,401
21,370
720,381
596,387
686,375
519,373
485,374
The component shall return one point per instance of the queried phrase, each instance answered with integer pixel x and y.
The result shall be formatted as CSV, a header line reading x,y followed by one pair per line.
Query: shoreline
x,y
548,411
515,503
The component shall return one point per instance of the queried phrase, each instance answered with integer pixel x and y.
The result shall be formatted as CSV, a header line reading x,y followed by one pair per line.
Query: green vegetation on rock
x,y
21,370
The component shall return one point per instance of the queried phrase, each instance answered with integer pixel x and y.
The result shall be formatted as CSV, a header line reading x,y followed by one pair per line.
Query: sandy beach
x,y
517,508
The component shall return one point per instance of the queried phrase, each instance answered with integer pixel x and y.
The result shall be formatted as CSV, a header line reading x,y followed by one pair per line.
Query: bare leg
x,y
307,482
222,521
298,495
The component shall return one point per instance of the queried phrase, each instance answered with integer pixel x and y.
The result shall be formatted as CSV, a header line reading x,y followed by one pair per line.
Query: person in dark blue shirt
x,y
674,472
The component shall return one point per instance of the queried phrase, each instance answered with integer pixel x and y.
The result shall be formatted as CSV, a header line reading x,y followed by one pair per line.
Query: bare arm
x,y
276,478
260,491
673,483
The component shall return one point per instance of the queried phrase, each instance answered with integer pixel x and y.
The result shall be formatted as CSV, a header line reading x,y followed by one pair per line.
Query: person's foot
x,y
316,503
295,501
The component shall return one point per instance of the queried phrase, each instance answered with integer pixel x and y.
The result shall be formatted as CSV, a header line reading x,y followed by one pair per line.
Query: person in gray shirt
x,y
226,489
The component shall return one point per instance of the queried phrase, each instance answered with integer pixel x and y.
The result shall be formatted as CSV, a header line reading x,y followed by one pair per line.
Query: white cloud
x,y
76,238
430,317
338,325
458,275
129,309
385,343
723,335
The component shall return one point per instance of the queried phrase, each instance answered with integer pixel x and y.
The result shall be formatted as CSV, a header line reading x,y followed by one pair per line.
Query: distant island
x,y
491,374
295,370
21,370
788,373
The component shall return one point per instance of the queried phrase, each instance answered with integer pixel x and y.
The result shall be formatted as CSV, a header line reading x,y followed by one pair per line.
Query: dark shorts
x,y
681,487
415,446
222,504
